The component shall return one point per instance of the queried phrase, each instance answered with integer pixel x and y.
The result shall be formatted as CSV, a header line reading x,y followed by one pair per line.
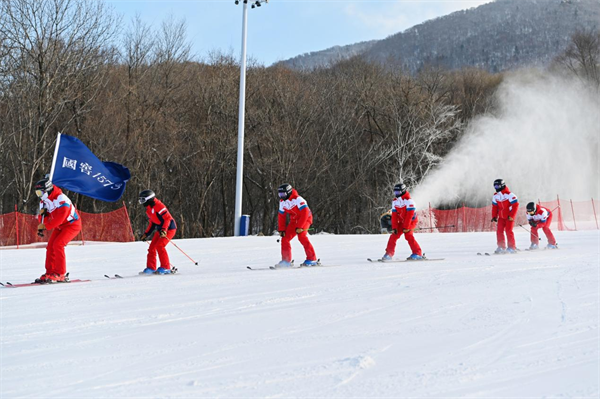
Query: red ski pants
x,y
286,247
56,262
505,226
410,238
535,237
157,246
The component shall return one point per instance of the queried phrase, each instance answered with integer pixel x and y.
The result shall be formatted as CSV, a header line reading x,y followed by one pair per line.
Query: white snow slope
x,y
508,326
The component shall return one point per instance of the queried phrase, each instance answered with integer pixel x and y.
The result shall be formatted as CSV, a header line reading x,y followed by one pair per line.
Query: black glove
x,y
394,231
163,233
494,220
43,211
282,233
40,233
144,237
532,223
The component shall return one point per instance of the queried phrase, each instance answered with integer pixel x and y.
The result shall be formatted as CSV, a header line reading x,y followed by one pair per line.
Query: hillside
x,y
510,326
497,36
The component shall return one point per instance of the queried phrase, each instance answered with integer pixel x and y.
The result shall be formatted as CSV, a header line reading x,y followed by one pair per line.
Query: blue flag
x,y
77,169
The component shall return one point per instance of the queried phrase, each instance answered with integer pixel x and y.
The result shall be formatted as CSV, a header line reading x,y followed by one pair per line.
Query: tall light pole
x,y
239,176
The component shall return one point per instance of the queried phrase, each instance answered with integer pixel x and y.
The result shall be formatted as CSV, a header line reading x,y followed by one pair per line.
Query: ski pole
x,y
195,263
532,233
432,228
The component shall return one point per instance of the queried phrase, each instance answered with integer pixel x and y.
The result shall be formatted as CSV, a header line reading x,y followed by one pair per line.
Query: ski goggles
x,y
531,212
143,200
398,193
497,186
40,193
282,194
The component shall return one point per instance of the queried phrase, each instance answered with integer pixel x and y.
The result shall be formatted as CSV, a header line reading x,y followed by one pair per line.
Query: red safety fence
x,y
17,228
567,215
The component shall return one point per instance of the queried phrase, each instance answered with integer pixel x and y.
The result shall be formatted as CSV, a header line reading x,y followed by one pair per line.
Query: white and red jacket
x,y
404,214
160,218
60,210
541,216
297,208
504,204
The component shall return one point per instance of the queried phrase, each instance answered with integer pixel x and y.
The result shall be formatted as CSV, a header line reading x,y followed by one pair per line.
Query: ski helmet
x,y
146,196
43,186
531,208
399,190
499,184
285,190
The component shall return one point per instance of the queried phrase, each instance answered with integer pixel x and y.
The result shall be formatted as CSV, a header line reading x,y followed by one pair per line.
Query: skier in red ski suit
x,y
540,218
404,221
57,213
161,221
504,209
290,203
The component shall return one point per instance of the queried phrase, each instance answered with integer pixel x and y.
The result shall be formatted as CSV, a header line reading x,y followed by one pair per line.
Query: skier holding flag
x,y
57,213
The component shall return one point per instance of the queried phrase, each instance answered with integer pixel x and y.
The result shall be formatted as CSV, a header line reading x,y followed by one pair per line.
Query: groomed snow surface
x,y
507,326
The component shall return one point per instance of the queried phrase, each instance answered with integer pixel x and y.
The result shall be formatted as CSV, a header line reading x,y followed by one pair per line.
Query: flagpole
x,y
54,158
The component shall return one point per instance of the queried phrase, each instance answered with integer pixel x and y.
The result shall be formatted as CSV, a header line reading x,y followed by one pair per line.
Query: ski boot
x,y
500,251
284,263
308,263
533,247
511,250
148,271
162,270
552,246
386,257
414,257
43,279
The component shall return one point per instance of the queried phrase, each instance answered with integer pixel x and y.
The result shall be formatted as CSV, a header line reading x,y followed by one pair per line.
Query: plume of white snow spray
x,y
543,140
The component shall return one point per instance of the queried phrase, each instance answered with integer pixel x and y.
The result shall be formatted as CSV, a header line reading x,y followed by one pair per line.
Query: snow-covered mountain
x,y
509,326
497,36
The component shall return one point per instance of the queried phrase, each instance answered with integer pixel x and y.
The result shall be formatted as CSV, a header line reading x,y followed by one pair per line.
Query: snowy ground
x,y
510,326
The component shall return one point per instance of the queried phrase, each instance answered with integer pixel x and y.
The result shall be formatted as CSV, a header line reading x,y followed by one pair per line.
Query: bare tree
x,y
582,57
54,70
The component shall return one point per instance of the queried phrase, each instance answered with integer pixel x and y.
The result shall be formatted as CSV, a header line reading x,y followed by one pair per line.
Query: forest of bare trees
x,y
135,95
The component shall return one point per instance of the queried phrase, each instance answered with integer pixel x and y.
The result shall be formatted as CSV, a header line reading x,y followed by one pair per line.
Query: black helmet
x,y
43,186
285,190
499,185
531,208
399,190
146,196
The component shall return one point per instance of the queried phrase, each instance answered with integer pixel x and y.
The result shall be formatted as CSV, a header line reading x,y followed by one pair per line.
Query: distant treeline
x,y
342,136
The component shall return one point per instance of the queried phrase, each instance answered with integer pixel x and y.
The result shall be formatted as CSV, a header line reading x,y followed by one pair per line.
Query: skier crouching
x,y
161,221
290,203
540,217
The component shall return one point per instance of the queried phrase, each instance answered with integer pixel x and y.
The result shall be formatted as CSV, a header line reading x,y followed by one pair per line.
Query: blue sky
x,y
283,29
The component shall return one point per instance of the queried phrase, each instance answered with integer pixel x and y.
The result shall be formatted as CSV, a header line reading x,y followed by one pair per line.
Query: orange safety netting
x,y
19,229
566,216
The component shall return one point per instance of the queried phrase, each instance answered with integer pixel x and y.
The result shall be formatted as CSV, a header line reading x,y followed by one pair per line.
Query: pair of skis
x,y
67,281
424,259
292,267
141,274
